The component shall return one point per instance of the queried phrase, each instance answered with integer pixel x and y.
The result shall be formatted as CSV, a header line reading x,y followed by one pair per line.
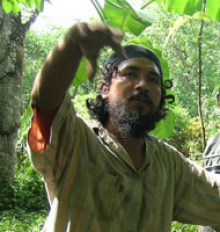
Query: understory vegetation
x,y
27,204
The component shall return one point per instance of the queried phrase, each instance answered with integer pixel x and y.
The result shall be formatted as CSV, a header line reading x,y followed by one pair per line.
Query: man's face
x,y
135,91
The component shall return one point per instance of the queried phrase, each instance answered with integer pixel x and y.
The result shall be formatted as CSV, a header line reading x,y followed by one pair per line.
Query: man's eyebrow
x,y
130,67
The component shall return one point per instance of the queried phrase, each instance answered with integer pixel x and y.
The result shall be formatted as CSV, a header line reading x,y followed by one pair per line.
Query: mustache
x,y
140,96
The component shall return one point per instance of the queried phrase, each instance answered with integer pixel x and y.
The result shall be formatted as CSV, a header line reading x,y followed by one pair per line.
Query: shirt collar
x,y
117,150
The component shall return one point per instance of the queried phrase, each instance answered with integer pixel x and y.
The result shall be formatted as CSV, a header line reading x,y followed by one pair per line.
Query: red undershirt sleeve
x,y
39,134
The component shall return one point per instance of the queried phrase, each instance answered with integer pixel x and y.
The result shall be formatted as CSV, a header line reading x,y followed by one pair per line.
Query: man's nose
x,y
142,82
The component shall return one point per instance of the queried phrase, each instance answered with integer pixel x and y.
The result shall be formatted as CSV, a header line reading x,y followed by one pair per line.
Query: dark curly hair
x,y
99,109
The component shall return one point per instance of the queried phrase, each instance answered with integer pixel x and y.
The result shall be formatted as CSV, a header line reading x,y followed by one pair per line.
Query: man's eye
x,y
131,74
154,79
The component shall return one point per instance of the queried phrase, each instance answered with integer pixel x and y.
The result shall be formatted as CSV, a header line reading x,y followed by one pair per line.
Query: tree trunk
x,y
12,34
11,56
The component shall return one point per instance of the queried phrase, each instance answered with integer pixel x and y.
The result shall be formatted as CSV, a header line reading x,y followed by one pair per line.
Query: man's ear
x,y
105,91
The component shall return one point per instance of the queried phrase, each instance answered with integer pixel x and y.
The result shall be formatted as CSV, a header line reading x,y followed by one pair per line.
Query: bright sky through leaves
x,y
64,13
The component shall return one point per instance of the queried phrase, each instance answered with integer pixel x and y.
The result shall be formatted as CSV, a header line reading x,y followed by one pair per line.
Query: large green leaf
x,y
190,7
213,9
120,14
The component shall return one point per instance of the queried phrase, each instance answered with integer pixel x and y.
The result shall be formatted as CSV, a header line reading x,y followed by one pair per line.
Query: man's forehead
x,y
134,51
138,64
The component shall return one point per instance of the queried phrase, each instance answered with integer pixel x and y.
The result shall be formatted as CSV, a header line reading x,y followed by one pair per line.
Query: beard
x,y
133,124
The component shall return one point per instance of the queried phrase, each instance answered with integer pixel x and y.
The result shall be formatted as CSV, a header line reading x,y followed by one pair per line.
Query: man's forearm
x,y
57,73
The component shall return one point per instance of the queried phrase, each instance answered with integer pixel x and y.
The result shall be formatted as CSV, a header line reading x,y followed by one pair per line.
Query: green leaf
x,y
39,5
81,75
15,6
164,128
202,16
190,7
30,3
118,13
7,6
213,9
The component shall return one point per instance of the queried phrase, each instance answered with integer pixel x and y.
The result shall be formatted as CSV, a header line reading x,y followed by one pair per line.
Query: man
x,y
112,176
212,163
211,157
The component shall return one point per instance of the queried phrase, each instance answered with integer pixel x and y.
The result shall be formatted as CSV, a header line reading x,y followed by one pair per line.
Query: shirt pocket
x,y
108,193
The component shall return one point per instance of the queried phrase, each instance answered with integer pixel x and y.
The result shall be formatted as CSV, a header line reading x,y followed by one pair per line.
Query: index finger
x,y
115,44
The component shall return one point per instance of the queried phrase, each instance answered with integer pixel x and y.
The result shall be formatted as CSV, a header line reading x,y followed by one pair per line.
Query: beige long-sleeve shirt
x,y
93,186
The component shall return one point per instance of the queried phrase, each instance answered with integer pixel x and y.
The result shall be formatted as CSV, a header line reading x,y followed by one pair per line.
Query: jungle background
x,y
184,34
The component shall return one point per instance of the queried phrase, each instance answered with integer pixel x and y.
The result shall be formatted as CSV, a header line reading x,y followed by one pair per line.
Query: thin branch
x,y
98,8
200,112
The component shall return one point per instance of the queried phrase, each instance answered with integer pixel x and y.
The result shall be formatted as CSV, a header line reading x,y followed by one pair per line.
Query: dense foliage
x,y
28,204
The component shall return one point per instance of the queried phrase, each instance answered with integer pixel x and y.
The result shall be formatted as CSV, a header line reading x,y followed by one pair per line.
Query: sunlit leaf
x,y
81,74
190,7
164,128
15,6
213,9
202,16
120,14
39,5
7,6
30,2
